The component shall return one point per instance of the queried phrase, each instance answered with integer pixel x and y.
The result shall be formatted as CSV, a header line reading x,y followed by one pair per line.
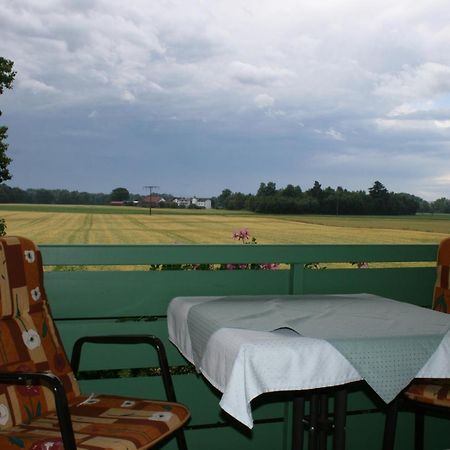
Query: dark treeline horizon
x,y
268,199
316,200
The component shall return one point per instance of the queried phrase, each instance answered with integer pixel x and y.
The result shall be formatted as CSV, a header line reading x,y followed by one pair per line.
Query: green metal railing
x,y
101,298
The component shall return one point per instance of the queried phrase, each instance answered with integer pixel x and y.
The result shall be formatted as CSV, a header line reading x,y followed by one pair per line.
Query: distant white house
x,y
202,202
185,202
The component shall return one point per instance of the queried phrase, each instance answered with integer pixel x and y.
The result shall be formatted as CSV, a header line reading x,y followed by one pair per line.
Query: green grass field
x,y
52,224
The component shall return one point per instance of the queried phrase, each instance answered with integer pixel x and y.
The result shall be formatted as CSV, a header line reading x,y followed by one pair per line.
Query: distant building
x,y
124,203
153,200
202,202
186,202
182,202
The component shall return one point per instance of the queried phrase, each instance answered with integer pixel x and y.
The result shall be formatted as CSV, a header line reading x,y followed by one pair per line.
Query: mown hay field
x,y
119,225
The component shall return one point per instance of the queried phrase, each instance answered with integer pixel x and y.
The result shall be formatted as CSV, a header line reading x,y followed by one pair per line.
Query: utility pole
x,y
150,190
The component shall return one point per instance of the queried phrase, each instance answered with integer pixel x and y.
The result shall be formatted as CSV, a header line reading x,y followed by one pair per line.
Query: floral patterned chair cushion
x,y
29,342
101,423
434,391
441,297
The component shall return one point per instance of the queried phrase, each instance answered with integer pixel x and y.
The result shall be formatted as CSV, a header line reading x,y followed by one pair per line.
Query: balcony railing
x,y
108,289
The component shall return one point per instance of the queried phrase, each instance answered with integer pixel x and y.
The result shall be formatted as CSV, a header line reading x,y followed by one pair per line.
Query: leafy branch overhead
x,y
7,75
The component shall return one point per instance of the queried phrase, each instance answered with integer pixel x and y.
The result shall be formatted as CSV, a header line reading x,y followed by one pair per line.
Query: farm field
x,y
51,224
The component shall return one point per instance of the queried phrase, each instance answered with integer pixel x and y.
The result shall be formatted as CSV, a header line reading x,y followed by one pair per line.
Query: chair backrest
x,y
441,297
29,340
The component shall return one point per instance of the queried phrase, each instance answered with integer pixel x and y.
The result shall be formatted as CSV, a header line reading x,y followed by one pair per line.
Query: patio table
x,y
249,345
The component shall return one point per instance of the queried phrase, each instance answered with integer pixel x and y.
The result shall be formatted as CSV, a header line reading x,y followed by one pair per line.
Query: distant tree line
x,y
316,200
268,199
55,196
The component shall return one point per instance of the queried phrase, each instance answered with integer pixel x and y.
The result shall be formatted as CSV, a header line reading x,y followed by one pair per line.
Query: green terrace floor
x,y
108,300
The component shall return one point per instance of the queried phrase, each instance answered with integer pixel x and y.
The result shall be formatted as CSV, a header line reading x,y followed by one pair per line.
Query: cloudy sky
x,y
198,96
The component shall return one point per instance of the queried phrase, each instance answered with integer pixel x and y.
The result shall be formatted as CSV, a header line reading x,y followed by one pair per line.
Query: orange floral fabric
x,y
29,342
101,423
432,391
441,297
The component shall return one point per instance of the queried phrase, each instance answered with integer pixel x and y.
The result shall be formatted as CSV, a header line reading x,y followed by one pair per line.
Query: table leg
x,y
324,427
313,421
390,425
298,426
419,430
340,412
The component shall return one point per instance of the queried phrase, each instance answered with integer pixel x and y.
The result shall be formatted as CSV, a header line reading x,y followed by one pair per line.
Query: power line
x,y
150,190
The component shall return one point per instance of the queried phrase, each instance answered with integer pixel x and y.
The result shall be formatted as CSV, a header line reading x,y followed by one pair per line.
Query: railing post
x,y
296,278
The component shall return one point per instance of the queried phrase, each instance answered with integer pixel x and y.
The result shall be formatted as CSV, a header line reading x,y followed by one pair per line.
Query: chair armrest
x,y
129,339
55,385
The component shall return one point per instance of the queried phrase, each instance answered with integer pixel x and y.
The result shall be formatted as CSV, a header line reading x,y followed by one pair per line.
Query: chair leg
x,y
181,440
419,430
390,425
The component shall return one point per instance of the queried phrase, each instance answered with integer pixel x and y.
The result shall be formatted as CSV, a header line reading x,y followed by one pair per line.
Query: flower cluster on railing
x,y
243,236
360,265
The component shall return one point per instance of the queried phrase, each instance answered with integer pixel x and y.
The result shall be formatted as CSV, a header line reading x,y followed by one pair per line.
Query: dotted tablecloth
x,y
386,341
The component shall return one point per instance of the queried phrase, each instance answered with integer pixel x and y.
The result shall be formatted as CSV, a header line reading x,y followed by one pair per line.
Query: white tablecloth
x,y
243,364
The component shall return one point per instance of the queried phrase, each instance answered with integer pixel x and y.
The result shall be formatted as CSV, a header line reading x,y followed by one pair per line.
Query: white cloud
x,y
264,101
426,80
332,133
412,125
336,135
364,75
442,123
257,75
36,86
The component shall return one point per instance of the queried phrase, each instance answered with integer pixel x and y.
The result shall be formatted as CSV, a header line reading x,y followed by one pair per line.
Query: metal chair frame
x,y
54,383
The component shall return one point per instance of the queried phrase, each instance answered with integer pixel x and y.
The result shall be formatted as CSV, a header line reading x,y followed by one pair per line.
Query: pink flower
x,y
269,266
243,266
241,235
231,266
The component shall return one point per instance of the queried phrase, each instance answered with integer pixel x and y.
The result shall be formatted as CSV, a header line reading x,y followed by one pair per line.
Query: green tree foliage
x,y
378,191
316,190
291,191
441,205
222,199
292,200
7,75
120,194
266,190
50,196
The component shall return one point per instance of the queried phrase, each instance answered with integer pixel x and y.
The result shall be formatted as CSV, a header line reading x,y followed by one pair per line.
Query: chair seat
x,y
101,422
434,392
